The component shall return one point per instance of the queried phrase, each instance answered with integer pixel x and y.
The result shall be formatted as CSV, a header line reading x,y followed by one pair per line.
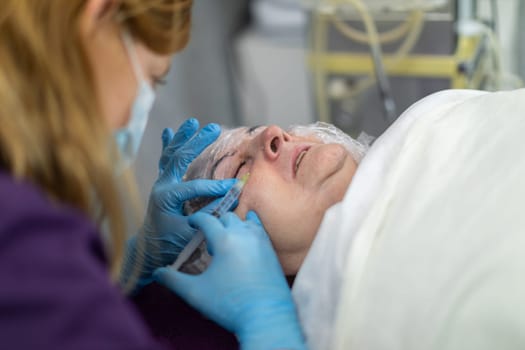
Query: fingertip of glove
x,y
228,183
212,128
160,273
192,224
252,216
191,122
167,134
191,220
189,127
195,220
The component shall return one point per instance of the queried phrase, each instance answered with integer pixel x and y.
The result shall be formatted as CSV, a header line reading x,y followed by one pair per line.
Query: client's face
x,y
293,181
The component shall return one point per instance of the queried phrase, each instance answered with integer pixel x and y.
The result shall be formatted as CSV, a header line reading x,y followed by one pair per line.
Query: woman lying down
x,y
415,243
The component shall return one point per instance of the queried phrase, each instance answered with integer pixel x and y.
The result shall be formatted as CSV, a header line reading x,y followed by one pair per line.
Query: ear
x,y
95,14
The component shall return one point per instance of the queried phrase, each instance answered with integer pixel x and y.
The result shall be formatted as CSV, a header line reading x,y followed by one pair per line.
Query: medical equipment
x,y
378,5
406,49
328,133
198,241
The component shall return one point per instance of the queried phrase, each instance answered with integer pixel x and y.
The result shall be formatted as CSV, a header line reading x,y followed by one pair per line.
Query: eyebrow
x,y
252,129
249,131
216,164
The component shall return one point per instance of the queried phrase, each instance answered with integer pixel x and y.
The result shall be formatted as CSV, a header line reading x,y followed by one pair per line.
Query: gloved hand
x,y
165,231
244,289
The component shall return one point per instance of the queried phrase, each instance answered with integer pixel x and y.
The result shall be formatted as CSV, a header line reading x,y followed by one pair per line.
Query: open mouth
x,y
299,159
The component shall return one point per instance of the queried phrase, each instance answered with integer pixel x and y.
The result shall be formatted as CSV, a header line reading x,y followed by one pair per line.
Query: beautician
x,y
77,81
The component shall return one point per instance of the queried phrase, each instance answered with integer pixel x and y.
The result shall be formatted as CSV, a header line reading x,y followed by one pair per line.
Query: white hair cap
x,y
328,133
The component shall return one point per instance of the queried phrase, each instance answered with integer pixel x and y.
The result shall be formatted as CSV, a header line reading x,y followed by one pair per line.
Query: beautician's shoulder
x,y
55,292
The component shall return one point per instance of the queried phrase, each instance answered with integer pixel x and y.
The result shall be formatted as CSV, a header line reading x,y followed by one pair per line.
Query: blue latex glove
x,y
244,289
165,231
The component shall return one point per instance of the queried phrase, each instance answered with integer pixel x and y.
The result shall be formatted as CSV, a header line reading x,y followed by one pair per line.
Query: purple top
x,y
175,322
55,292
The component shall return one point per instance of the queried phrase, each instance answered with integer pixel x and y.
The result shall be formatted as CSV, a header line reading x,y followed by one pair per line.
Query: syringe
x,y
224,205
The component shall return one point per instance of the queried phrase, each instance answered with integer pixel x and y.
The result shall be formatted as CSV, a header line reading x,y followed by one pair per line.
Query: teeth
x,y
299,158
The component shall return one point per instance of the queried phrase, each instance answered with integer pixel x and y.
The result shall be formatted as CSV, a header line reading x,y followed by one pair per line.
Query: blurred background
x,y
355,63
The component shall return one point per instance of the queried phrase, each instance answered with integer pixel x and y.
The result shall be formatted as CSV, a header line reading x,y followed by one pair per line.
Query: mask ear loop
x,y
132,54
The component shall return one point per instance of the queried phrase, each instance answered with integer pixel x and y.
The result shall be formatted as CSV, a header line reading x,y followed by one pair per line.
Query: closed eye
x,y
243,163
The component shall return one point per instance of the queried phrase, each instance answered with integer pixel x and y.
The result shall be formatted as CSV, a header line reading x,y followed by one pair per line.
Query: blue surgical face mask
x,y
128,138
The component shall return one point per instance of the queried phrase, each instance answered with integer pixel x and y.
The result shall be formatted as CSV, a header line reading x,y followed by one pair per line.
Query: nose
x,y
273,139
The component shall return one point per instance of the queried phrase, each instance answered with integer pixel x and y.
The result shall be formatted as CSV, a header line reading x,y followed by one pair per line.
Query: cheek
x,y
334,189
255,196
116,90
263,194
116,94
123,105
294,227
289,213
